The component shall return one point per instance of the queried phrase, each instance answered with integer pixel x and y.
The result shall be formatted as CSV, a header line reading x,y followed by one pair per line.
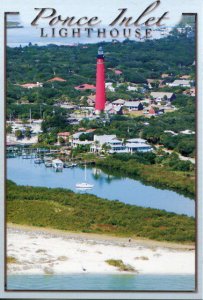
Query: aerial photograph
x,y
100,159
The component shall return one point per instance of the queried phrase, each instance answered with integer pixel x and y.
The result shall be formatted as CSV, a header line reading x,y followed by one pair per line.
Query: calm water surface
x,y
130,191
102,282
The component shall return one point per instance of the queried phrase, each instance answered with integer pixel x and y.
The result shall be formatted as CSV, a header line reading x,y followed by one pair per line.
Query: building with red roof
x,y
90,130
65,135
118,72
31,85
85,86
56,79
152,111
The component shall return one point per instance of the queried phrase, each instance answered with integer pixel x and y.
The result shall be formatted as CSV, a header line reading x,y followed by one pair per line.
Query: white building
x,y
109,86
132,88
110,141
137,145
117,146
181,83
133,105
161,96
118,102
75,140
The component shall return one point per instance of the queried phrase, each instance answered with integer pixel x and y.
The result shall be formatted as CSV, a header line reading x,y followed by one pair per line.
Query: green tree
x,y
18,134
28,133
61,140
8,129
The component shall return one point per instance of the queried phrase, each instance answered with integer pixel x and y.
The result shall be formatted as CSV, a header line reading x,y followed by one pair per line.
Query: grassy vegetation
x,y
11,260
66,210
120,265
155,174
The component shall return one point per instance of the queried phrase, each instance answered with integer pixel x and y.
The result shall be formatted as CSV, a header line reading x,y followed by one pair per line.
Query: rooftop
x,y
31,85
118,72
64,133
181,82
132,103
119,102
161,94
56,79
137,145
136,140
85,86
102,139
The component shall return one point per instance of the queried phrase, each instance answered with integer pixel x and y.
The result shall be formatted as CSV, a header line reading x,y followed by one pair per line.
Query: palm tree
x,y
106,147
96,144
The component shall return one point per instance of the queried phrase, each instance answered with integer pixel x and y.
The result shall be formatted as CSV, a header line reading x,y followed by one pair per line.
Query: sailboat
x,y
84,185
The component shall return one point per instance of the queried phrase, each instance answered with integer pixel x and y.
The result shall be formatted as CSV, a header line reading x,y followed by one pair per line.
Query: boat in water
x,y
84,185
26,155
57,164
69,165
38,161
48,163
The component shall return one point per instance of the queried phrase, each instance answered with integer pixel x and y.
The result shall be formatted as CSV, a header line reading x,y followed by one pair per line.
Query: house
x,y
31,85
154,82
71,107
65,135
132,88
85,87
114,109
151,111
185,77
77,143
171,132
75,140
117,146
59,79
91,100
165,75
110,141
190,92
181,83
109,86
133,105
90,130
137,145
118,102
118,72
162,96
187,131
137,140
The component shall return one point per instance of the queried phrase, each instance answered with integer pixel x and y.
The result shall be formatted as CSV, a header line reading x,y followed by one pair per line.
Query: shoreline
x,y
42,251
103,237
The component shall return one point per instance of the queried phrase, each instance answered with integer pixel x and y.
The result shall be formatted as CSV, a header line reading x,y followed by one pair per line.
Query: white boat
x,y
84,185
57,164
48,164
38,161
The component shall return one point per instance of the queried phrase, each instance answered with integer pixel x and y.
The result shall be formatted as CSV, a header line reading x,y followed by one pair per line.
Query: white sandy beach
x,y
41,251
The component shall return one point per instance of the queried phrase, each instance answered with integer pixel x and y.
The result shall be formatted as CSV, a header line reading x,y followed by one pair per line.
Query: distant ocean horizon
x,y
30,34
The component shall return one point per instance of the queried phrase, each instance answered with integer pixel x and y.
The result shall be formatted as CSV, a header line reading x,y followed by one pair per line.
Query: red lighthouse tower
x,y
100,83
